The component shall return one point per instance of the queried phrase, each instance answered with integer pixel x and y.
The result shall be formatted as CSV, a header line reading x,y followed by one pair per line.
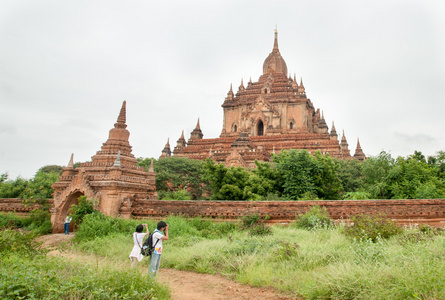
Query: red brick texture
x,y
17,206
430,211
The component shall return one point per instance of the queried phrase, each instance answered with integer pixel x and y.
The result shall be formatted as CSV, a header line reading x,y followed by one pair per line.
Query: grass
x,y
26,272
320,263
325,265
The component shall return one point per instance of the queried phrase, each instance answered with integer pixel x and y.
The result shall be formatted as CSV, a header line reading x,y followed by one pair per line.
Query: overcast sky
x,y
376,68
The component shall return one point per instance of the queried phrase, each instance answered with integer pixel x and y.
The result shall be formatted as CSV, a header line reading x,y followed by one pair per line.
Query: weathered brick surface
x,y
18,206
431,211
404,211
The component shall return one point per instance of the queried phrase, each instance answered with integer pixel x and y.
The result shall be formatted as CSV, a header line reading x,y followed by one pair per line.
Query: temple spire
x,y
274,63
275,43
117,162
151,169
71,162
197,132
333,134
359,152
123,113
230,93
322,126
166,152
241,87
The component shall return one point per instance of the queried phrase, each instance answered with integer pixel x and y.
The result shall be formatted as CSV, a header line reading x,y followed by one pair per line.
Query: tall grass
x,y
325,264
38,221
320,263
55,278
27,273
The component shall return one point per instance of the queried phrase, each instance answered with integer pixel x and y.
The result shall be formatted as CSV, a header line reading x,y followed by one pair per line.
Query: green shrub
x,y
52,278
356,196
286,250
38,221
250,220
260,230
315,218
10,220
424,233
13,241
85,207
96,225
180,194
372,227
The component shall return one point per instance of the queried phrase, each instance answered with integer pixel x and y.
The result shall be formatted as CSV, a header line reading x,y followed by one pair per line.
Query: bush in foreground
x,y
315,218
372,227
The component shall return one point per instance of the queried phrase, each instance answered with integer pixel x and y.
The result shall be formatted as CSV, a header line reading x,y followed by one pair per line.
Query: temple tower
x,y
359,152
269,115
112,178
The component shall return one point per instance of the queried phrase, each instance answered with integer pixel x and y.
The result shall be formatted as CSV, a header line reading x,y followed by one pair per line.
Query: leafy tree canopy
x,y
175,174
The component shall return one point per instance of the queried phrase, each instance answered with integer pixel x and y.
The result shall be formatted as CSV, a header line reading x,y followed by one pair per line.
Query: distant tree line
x,y
37,189
298,175
290,175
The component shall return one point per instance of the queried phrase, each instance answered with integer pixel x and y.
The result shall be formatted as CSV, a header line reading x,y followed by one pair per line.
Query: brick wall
x,y
17,206
431,211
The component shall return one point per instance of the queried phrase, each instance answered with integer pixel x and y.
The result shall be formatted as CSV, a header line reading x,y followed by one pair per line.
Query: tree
x,y
39,188
403,178
350,173
225,183
264,181
299,169
13,188
177,173
327,183
376,170
51,169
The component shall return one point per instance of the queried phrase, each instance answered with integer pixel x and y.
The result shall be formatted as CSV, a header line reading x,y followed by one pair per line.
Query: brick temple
x,y
264,117
112,178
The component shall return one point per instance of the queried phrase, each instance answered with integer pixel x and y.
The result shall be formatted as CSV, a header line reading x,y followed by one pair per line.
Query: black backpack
x,y
148,247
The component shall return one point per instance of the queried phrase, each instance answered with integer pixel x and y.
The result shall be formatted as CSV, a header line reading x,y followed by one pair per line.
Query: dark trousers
x,y
67,228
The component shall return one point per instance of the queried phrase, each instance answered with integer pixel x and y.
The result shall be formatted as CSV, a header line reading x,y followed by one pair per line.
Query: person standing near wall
x,y
67,224
159,235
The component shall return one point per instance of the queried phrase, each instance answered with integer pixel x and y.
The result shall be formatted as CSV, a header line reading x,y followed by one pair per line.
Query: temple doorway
x,y
70,201
260,128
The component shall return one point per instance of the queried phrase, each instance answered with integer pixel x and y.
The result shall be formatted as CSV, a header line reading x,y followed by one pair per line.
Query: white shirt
x,y
157,235
137,244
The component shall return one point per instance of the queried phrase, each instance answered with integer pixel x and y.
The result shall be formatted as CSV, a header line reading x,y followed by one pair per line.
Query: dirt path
x,y
182,284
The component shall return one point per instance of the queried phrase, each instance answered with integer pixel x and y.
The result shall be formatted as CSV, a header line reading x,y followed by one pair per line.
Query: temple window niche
x,y
235,128
291,125
260,128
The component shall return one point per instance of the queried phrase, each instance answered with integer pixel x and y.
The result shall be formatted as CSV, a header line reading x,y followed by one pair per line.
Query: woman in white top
x,y
138,240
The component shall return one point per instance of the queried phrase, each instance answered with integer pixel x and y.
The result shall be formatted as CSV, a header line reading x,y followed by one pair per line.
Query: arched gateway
x,y
112,178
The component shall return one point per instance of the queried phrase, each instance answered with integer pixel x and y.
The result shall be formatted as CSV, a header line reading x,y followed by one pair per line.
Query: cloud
x,y
415,139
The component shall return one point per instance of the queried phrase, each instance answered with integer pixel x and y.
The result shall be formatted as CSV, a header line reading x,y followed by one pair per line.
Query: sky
x,y
375,68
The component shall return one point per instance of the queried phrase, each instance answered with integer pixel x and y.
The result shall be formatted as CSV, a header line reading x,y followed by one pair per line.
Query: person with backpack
x,y
138,237
159,235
